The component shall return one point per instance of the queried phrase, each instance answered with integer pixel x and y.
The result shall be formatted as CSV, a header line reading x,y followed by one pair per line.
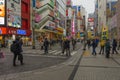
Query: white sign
x,y
2,12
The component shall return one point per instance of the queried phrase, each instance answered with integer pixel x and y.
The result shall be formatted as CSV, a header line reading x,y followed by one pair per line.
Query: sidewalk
x,y
98,67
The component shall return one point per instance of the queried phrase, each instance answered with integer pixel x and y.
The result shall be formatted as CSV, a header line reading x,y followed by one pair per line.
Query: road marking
x,y
86,53
73,52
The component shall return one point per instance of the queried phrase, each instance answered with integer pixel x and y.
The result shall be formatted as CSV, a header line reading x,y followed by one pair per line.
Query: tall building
x,y
69,20
101,14
80,20
49,18
118,19
111,18
14,20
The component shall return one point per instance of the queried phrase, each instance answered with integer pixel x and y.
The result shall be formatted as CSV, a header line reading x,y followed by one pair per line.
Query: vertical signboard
x,y
2,12
14,13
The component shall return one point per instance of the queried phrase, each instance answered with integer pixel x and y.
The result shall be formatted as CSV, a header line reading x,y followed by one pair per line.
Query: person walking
x,y
73,43
119,44
16,49
64,44
102,45
94,45
88,43
46,45
114,46
68,47
107,48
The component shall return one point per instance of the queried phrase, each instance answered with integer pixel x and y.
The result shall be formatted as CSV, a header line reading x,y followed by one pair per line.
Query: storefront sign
x,y
12,31
14,13
2,12
21,32
3,30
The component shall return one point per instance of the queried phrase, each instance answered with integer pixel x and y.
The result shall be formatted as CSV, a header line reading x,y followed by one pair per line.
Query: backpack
x,y
13,48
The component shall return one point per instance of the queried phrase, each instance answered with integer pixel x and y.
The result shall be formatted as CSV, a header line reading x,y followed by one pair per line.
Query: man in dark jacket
x,y
107,48
46,44
17,51
94,45
114,46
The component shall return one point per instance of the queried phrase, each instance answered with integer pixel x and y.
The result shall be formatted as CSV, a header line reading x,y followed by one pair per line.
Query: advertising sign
x,y
3,30
21,32
14,13
2,12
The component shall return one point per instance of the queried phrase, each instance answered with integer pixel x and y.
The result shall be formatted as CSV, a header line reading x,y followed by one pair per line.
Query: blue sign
x,y
0,31
21,32
78,8
34,3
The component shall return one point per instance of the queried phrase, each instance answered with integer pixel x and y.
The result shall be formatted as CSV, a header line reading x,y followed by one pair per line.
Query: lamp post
x,y
33,23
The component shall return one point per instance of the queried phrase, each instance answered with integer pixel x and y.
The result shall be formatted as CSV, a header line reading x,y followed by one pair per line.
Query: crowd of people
x,y
106,46
64,44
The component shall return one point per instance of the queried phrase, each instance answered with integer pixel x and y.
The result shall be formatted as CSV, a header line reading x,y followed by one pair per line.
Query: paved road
x,y
81,66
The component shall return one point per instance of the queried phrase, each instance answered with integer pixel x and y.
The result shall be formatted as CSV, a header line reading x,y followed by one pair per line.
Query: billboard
x,y
2,12
14,13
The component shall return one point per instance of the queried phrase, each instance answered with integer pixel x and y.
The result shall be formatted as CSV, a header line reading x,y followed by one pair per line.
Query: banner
x,y
2,12
14,13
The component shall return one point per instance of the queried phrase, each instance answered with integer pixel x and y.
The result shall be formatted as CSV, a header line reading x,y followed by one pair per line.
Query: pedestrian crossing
x,y
50,52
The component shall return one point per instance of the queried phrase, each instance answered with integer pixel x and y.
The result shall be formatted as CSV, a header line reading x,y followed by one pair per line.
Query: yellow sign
x,y
104,32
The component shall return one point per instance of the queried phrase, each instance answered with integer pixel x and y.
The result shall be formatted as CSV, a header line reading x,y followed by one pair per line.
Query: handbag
x,y
2,55
20,56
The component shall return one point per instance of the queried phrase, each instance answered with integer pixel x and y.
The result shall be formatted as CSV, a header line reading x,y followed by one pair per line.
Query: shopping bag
x,y
20,56
2,55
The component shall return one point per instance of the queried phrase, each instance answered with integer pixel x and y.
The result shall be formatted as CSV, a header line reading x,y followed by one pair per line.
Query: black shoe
x,y
22,63
14,65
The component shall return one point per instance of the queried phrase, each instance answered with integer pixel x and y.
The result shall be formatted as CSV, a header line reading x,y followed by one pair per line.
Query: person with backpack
x,y
16,49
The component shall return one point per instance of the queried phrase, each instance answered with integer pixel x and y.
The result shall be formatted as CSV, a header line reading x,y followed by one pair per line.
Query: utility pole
x,y
33,23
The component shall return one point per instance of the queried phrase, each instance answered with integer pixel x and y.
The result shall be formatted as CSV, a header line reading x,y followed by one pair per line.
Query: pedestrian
x,y
16,49
94,45
119,44
46,45
64,43
102,45
107,48
114,46
88,43
68,47
73,43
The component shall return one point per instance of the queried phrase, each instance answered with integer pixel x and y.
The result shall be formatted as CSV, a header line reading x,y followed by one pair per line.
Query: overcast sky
x,y
89,5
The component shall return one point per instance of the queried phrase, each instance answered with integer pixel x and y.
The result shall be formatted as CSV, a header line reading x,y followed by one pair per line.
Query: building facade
x,y
101,14
118,19
49,18
16,22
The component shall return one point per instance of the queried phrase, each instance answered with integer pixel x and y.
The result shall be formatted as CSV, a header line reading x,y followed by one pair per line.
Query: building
x,y
49,18
80,20
111,18
69,20
118,19
14,21
101,15
91,26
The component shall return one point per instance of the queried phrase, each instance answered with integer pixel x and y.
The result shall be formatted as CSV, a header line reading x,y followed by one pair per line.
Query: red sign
x,y
3,30
11,31
90,19
67,12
